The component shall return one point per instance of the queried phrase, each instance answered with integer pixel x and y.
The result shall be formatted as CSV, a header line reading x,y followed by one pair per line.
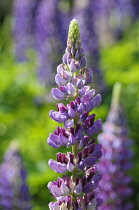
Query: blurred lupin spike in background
x,y
116,160
50,38
14,192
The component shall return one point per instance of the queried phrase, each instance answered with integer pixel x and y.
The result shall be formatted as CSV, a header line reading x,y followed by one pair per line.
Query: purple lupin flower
x,y
116,160
14,192
80,190
86,16
49,38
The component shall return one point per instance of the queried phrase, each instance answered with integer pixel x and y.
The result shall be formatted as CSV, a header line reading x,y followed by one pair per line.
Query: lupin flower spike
x,y
80,190
14,192
116,160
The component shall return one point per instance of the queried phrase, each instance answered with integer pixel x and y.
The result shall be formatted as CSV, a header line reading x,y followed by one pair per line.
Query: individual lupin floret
x,y
80,190
14,192
116,160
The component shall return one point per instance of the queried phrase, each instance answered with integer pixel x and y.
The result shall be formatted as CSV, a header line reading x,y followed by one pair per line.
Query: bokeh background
x,y
33,37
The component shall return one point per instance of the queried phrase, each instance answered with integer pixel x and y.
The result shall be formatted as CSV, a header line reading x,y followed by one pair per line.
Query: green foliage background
x,y
24,108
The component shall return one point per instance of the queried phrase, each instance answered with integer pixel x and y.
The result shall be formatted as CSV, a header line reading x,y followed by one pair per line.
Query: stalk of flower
x,y
14,192
80,190
116,160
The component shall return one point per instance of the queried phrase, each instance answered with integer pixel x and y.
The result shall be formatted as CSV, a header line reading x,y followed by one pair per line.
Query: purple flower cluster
x,y
80,190
14,192
115,162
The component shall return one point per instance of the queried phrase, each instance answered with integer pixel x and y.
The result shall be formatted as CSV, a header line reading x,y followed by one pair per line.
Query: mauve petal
x,y
80,83
77,55
58,117
72,66
53,165
71,111
64,189
56,191
66,75
70,166
79,135
61,168
78,189
90,93
70,89
52,144
68,49
69,57
60,69
64,59
58,94
54,138
97,100
81,108
50,184
60,81
72,139
63,139
92,204
56,206
68,123
51,205
83,90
